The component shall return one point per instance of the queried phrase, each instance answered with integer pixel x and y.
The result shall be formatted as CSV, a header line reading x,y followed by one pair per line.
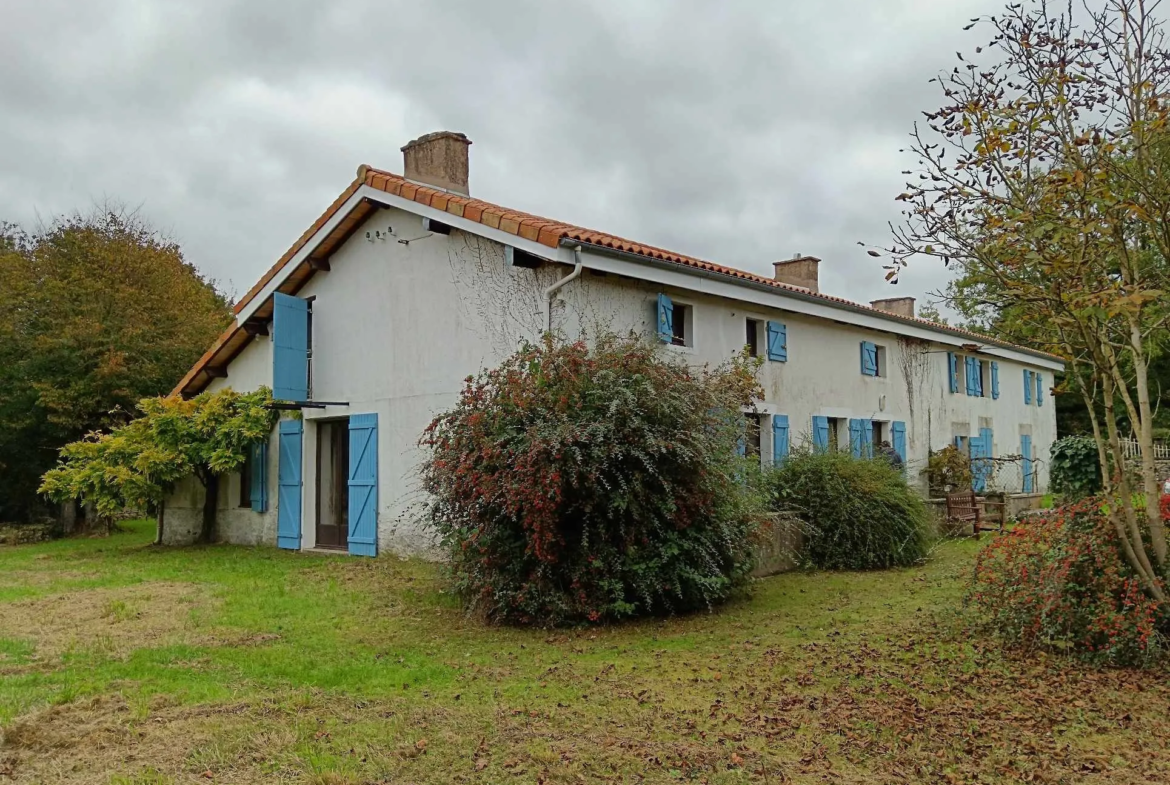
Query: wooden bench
x,y
964,507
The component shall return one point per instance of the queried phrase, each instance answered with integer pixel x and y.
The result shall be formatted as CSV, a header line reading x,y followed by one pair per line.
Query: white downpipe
x,y
552,290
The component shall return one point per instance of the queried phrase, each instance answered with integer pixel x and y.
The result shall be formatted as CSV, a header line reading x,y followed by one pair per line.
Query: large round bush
x,y
1060,582
577,483
856,513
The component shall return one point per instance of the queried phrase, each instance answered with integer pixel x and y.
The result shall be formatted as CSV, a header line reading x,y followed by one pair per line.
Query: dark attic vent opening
x,y
436,227
518,258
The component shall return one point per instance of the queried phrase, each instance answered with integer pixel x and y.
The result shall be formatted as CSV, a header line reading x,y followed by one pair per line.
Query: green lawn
x,y
125,663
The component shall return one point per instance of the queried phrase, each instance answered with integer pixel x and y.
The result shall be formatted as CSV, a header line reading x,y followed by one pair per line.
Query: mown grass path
x,y
125,663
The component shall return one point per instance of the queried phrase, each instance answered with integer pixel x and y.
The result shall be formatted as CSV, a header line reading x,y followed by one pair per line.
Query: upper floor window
x,y
873,359
675,322
767,339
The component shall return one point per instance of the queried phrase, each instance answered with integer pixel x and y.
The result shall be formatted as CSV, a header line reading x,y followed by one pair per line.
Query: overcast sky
x,y
740,132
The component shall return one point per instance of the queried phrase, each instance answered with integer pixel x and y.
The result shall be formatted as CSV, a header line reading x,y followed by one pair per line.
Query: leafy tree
x,y
101,311
136,464
1045,177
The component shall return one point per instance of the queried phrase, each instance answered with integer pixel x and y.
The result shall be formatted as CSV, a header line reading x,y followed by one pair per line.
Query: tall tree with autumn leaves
x,y
100,311
1045,177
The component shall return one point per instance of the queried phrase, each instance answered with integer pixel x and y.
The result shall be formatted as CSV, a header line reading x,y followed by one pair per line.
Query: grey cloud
x,y
741,132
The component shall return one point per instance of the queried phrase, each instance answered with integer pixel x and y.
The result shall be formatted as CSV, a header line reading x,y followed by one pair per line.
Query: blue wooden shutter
x,y
995,380
978,368
1039,389
970,374
953,368
1027,386
898,432
363,484
288,498
820,434
868,359
855,437
779,438
982,469
867,438
259,478
665,319
777,342
290,348
1026,452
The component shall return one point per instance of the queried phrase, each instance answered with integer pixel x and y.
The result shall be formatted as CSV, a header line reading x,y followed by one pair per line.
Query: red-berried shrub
x,y
1061,582
1164,506
580,483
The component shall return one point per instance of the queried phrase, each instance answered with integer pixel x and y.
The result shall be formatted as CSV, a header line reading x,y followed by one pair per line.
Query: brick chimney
x,y
438,159
799,271
903,306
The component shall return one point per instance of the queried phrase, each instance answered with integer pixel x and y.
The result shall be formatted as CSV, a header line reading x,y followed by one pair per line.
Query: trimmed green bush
x,y
857,514
585,484
1075,471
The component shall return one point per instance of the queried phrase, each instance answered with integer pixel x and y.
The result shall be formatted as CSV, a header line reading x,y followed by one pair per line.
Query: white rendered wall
x,y
398,326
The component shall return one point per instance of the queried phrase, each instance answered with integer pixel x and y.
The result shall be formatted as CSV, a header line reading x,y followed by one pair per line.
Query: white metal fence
x,y
1131,449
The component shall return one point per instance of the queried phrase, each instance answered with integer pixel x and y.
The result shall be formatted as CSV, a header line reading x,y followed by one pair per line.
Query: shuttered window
x,y
363,484
777,342
779,438
290,348
288,511
869,359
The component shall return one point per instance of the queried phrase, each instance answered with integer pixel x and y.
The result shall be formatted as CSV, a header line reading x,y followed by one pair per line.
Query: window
x,y
752,440
873,359
674,322
753,337
880,432
681,318
837,427
246,481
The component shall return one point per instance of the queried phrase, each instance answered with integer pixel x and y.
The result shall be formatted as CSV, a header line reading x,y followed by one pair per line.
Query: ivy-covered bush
x,y
1061,582
857,514
1075,470
583,484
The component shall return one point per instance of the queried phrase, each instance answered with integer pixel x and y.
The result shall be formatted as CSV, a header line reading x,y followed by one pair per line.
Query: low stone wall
x,y
779,547
26,533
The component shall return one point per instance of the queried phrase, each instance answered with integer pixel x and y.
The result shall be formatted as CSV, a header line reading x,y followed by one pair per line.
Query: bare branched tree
x,y
1045,178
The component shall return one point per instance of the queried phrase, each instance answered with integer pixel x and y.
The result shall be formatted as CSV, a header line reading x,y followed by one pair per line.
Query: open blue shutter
x,y
970,373
820,434
995,380
855,437
1039,389
665,319
953,368
288,500
290,348
777,342
982,469
1026,451
259,479
898,432
978,368
779,438
868,359
867,438
363,484
1027,386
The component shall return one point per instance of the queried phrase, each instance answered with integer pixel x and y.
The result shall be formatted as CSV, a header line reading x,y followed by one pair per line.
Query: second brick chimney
x,y
799,271
903,306
438,159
